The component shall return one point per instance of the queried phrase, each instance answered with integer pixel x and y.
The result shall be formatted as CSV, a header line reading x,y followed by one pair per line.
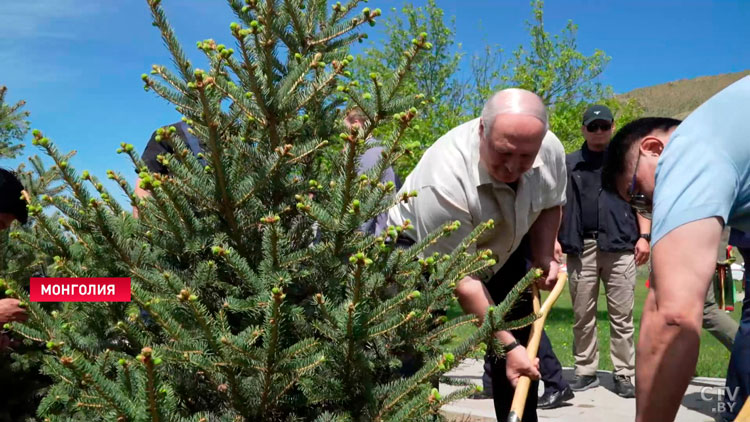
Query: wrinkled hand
x,y
642,251
11,311
518,364
550,268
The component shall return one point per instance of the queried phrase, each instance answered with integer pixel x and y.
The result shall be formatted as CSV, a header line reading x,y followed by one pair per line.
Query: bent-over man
x,y
508,167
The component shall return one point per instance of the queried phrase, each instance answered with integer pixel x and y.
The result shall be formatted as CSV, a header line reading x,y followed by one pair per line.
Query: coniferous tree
x,y
254,295
20,362
13,126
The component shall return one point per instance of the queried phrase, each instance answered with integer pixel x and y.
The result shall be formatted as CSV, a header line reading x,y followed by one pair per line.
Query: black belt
x,y
591,235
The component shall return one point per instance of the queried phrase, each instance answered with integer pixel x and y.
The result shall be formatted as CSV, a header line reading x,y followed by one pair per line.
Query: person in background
x,y
154,149
355,118
716,320
12,207
603,238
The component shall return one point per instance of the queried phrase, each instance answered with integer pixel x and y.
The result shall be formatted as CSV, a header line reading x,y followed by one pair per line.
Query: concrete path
x,y
701,401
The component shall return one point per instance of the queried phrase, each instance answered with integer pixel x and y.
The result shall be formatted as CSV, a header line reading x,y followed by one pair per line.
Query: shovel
x,y
522,388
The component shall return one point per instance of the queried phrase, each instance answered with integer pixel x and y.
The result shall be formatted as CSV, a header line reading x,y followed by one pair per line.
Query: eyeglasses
x,y
640,202
595,126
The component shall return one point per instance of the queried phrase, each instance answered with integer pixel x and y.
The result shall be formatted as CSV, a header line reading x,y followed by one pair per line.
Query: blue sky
x,y
78,63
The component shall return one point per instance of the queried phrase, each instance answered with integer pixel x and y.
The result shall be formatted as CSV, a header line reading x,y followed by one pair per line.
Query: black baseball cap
x,y
10,196
597,112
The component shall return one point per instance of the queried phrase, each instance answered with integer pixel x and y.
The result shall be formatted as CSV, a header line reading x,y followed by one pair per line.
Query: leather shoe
x,y
554,399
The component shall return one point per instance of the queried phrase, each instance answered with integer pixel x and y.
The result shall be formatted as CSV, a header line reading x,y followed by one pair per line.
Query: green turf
x,y
712,361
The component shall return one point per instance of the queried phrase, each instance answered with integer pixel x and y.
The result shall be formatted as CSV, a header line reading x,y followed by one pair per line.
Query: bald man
x,y
506,166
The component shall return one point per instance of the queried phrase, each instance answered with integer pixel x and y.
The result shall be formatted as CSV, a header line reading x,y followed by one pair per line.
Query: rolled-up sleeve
x,y
555,178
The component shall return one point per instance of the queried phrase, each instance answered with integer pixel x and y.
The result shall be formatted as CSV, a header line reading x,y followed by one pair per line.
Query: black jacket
x,y
618,227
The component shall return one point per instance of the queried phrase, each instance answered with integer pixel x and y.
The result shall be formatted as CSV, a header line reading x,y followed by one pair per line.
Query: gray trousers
x,y
717,322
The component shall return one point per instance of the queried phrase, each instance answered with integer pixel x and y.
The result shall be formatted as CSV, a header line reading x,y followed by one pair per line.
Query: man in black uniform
x,y
603,238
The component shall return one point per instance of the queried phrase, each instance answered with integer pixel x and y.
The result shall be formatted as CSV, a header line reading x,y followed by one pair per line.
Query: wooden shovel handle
x,y
532,348
744,415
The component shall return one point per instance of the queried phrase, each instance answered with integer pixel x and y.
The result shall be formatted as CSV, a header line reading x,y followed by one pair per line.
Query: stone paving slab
x,y
598,404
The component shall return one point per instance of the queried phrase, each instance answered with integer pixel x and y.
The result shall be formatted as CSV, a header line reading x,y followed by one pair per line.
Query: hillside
x,y
678,98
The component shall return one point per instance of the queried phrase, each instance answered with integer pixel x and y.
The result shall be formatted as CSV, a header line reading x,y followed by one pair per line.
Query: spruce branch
x,y
170,40
271,350
452,326
336,31
405,387
146,358
222,191
257,90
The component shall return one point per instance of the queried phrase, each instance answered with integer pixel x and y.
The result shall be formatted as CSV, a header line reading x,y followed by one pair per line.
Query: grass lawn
x,y
712,361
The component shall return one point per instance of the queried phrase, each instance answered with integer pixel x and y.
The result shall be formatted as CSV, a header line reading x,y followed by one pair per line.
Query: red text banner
x,y
94,289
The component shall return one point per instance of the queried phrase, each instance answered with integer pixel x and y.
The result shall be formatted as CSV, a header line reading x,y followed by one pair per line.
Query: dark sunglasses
x,y
595,126
640,203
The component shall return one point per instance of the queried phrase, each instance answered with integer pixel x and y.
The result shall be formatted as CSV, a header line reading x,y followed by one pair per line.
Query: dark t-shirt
x,y
153,148
591,185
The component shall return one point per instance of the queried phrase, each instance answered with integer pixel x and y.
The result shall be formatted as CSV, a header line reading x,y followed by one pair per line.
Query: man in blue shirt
x,y
697,176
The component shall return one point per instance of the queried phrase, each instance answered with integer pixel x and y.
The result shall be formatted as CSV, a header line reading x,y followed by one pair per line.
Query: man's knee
x,y
685,319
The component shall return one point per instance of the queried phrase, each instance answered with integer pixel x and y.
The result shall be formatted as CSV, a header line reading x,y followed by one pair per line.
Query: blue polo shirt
x,y
704,170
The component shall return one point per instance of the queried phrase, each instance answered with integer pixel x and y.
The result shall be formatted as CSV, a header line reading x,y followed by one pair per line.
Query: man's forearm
x,y
543,234
475,299
644,224
683,263
666,356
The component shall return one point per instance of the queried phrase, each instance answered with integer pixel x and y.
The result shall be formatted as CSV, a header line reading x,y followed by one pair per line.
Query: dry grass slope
x,y
679,98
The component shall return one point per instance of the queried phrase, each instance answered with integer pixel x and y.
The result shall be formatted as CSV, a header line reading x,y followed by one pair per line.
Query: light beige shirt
x,y
452,184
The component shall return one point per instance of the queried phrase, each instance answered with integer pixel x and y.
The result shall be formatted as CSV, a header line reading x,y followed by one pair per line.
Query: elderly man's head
x,y
633,155
512,127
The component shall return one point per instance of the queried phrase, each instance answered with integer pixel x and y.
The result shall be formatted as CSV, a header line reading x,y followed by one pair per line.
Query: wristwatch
x,y
510,346
646,236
